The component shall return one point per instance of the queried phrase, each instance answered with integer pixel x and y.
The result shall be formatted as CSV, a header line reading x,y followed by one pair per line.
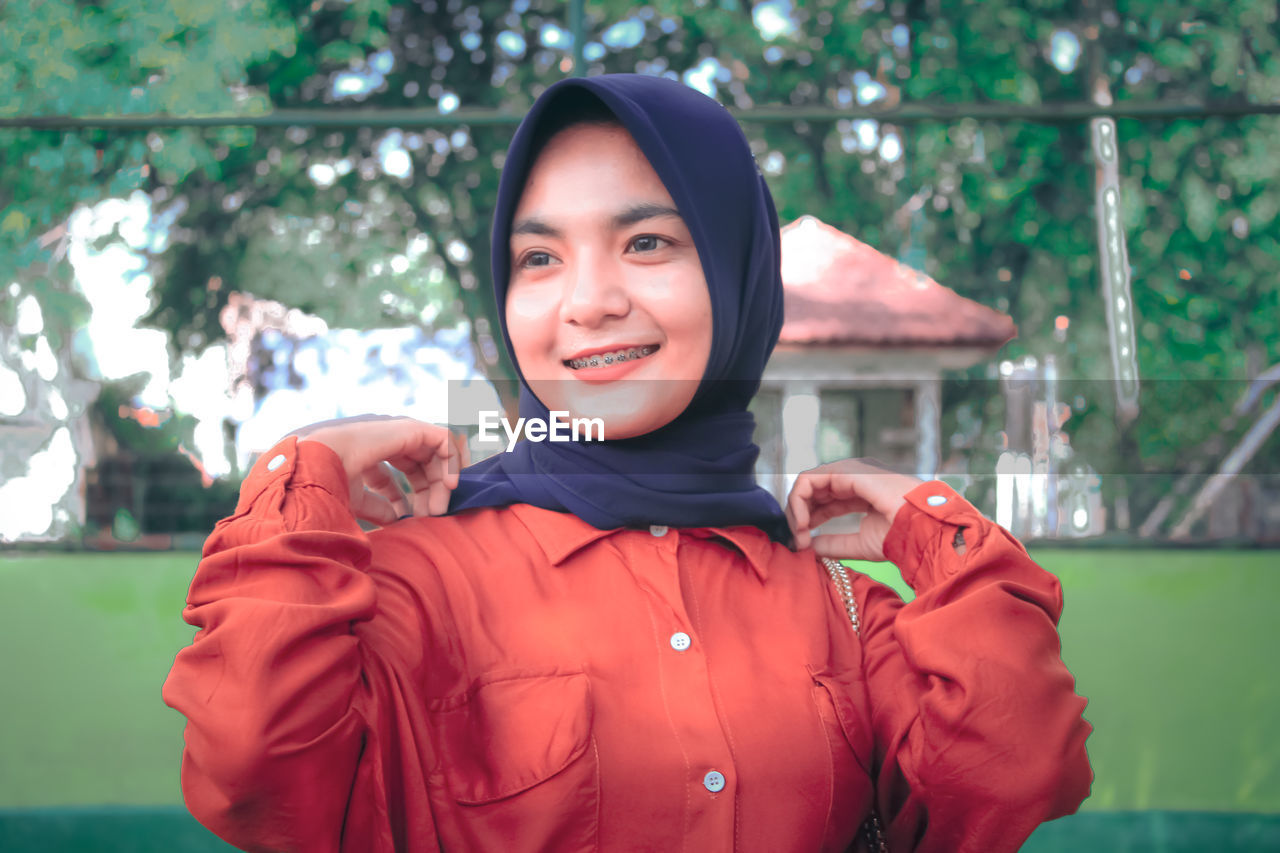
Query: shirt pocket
x,y
850,739
518,763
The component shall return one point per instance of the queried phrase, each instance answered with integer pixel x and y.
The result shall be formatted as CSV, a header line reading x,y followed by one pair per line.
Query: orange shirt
x,y
515,680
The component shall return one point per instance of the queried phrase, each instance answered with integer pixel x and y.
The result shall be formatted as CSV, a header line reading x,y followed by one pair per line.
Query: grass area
x,y
1173,649
88,640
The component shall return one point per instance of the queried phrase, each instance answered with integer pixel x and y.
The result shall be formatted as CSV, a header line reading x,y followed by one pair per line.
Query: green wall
x,y
1176,652
88,640
1174,649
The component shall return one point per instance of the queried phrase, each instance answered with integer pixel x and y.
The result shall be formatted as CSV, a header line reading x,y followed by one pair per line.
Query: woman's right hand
x,y
430,457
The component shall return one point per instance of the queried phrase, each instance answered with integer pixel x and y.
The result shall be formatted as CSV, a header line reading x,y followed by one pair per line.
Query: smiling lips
x,y
599,360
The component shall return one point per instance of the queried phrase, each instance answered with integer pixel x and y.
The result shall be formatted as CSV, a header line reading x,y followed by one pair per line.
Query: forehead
x,y
586,162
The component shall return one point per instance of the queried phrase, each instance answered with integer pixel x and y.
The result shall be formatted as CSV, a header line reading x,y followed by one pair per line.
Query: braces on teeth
x,y
604,358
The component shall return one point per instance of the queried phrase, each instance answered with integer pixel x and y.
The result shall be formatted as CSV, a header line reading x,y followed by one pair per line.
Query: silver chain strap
x,y
871,827
840,576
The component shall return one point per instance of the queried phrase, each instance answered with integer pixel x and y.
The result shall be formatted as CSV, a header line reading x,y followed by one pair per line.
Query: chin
x,y
629,427
627,409
621,423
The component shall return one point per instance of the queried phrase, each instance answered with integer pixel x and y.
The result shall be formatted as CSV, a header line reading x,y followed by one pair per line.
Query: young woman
x,y
619,645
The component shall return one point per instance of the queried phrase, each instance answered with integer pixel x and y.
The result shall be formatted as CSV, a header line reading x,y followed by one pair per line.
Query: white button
x,y
658,529
935,500
713,781
276,462
680,641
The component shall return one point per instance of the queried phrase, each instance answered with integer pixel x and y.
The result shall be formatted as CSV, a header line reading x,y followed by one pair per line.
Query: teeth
x,y
606,358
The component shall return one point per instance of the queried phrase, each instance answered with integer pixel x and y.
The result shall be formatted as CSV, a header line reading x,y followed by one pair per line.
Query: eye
x,y
535,259
647,243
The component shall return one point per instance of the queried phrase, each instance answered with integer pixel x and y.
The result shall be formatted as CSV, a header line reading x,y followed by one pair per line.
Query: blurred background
x,y
1031,248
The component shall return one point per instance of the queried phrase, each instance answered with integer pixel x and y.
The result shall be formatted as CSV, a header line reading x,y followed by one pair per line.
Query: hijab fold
x,y
697,470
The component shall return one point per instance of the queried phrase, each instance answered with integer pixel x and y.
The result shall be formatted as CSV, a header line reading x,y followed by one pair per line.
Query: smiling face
x,y
607,306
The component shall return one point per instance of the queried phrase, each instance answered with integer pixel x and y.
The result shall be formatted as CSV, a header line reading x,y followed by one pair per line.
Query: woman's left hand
x,y
840,488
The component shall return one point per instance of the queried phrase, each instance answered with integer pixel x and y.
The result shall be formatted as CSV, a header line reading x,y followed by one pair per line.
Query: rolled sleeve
x,y
980,731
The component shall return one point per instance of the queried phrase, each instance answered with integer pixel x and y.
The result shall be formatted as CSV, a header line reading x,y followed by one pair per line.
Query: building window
x,y
868,422
839,436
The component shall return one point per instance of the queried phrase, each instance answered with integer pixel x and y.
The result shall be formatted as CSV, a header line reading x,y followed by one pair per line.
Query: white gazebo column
x,y
800,410
928,411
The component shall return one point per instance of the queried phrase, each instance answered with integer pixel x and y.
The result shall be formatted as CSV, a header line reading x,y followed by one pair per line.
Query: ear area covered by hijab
x,y
697,470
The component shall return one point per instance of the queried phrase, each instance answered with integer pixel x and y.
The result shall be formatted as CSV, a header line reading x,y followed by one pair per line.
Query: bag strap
x,y
840,577
872,831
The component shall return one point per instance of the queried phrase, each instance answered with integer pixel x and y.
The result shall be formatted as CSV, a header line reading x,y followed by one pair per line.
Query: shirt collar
x,y
560,534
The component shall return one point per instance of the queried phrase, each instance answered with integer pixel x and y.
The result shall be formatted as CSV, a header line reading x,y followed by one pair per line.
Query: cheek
x,y
527,315
683,306
691,315
704,322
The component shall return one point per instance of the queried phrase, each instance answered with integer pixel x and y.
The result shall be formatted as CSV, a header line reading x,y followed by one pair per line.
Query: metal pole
x,y
1230,468
1049,370
431,117
1113,254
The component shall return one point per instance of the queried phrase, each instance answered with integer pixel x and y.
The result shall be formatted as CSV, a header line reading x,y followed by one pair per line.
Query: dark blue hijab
x,y
697,470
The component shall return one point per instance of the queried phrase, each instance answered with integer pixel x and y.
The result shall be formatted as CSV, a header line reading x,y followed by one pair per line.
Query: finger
x,y
440,463
422,478
433,499
382,480
464,451
438,497
791,520
814,501
798,502
457,459
422,441
824,512
373,507
434,481
852,478
881,485
368,443
873,481
847,546
418,476
835,485
797,512
809,499
797,533
443,477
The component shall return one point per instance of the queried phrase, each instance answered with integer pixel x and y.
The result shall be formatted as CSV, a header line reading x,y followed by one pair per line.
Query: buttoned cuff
x,y
921,540
287,468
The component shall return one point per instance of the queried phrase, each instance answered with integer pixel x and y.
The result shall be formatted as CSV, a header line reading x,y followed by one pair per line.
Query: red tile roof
x,y
839,290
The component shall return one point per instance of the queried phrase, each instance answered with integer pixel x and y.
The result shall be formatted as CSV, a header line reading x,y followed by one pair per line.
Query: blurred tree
x,y
114,57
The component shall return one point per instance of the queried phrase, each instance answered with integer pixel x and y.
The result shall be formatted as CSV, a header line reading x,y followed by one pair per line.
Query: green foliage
x,y
132,436
114,57
124,526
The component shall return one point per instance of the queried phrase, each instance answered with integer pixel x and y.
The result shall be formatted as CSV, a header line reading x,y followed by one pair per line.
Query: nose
x,y
594,291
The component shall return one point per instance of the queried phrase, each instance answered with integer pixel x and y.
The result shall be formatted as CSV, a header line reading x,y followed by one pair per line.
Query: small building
x,y
858,368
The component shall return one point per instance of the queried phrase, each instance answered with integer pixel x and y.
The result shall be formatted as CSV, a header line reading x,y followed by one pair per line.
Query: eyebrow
x,y
641,212
632,215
